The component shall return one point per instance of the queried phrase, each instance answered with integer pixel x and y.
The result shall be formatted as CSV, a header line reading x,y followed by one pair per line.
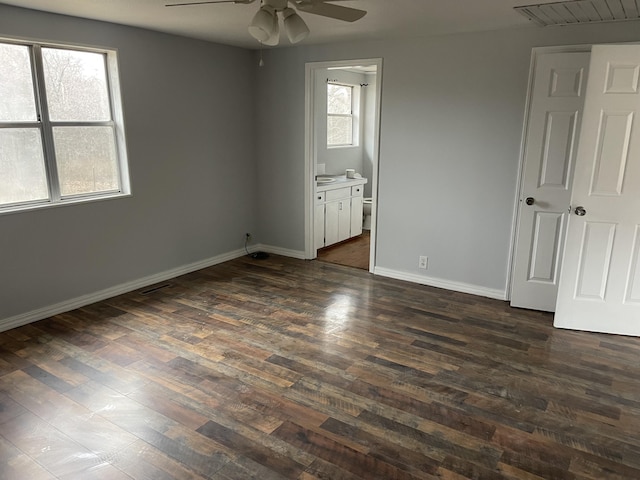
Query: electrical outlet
x,y
423,262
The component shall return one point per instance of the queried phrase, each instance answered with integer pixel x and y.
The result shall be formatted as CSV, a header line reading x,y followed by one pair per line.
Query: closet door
x,y
551,139
600,281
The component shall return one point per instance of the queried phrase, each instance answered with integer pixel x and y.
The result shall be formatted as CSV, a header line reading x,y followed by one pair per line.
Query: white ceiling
x,y
227,22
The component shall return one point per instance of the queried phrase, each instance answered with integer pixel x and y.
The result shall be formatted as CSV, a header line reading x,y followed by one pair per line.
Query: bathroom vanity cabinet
x,y
338,211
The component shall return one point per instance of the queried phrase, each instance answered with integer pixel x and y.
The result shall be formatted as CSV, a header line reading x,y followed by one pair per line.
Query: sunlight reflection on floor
x,y
338,313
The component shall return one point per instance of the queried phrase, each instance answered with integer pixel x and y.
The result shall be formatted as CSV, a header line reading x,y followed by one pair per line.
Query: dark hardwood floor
x,y
281,368
351,253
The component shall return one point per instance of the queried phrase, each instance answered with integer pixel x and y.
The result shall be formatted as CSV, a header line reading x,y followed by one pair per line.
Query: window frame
x,y
351,116
45,127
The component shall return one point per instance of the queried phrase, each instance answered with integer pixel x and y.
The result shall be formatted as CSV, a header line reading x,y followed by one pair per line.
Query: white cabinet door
x,y
318,228
344,219
356,211
551,140
600,280
337,225
331,213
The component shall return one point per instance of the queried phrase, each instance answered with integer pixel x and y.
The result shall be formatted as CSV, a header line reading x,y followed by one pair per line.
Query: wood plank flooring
x,y
351,253
285,369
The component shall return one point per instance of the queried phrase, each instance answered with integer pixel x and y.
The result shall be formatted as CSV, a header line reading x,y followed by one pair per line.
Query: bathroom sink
x,y
323,180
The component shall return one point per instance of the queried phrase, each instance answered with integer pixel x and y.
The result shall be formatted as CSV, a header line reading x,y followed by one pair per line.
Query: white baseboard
x,y
72,304
438,282
285,252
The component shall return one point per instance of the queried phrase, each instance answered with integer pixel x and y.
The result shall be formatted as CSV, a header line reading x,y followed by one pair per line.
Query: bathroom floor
x,y
352,253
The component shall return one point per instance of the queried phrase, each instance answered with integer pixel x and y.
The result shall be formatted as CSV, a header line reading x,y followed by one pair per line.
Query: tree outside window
x,y
58,137
339,115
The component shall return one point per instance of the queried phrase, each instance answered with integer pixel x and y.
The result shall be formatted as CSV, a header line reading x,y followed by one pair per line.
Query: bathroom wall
x,y
369,116
338,159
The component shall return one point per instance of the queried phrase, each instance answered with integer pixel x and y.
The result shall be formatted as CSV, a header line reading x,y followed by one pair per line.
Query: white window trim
x,y
355,117
45,125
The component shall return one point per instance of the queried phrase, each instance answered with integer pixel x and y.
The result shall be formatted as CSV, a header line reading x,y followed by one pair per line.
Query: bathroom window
x,y
340,121
61,132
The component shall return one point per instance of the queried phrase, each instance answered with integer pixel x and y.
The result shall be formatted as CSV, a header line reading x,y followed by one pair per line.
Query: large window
x,y
339,115
61,135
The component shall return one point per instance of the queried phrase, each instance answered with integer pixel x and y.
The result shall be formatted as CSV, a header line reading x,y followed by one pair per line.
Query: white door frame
x,y
310,164
536,51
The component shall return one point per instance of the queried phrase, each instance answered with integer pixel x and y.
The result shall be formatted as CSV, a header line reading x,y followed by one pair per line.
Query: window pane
x,y
338,99
76,85
339,131
86,158
22,174
17,102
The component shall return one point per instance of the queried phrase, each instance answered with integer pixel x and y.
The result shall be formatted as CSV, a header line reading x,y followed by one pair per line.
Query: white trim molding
x,y
440,283
68,305
285,252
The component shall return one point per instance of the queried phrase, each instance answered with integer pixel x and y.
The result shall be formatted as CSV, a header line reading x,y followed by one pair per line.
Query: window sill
x,y
63,203
338,147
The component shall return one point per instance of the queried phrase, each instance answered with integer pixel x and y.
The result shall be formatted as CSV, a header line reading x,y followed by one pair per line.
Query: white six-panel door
x,y
600,279
557,99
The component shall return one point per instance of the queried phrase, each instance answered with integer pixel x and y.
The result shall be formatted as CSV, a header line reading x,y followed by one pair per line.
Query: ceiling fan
x,y
265,26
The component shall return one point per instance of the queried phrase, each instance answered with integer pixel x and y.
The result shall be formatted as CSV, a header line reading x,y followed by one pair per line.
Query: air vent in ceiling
x,y
581,11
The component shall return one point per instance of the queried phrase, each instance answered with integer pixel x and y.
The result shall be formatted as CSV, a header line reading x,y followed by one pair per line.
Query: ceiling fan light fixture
x,y
274,38
264,23
295,27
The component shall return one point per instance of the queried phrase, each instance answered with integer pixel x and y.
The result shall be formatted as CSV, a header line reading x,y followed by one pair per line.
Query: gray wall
x,y
452,114
188,108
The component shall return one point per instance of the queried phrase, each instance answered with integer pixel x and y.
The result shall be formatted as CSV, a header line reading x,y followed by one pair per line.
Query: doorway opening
x,y
341,165
354,252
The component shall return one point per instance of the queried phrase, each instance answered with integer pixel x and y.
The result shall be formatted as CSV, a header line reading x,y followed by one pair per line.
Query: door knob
x,y
530,201
580,211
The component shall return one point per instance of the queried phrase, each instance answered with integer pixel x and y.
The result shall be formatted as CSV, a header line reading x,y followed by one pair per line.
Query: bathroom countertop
x,y
341,182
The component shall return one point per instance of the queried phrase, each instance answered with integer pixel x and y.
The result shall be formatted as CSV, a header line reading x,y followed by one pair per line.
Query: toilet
x,y
366,213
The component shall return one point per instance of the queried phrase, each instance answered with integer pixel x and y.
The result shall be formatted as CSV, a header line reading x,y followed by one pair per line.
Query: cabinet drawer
x,y
337,194
320,197
356,191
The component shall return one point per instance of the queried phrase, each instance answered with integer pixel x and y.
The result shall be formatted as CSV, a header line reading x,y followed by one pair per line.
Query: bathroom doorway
x,y
341,165
354,252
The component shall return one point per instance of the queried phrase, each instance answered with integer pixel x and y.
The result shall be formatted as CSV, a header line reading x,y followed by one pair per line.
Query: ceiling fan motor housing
x,y
277,5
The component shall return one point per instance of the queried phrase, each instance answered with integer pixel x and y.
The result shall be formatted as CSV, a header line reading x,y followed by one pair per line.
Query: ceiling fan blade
x,y
346,14
182,4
